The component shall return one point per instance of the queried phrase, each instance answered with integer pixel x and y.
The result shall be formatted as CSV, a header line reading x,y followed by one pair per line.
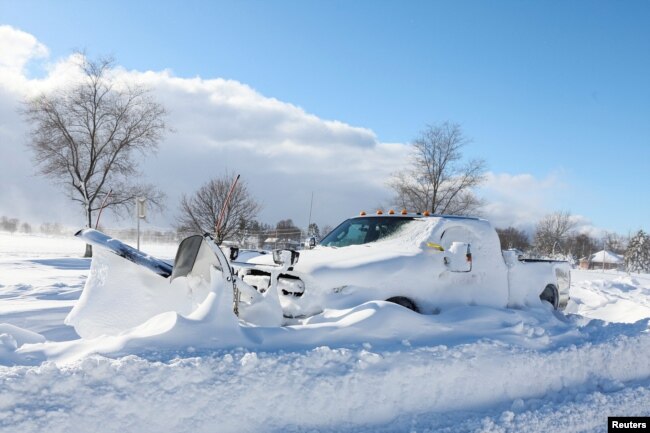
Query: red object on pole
x,y
222,213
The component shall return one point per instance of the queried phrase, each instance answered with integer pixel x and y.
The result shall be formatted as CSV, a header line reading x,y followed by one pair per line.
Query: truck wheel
x,y
404,302
550,295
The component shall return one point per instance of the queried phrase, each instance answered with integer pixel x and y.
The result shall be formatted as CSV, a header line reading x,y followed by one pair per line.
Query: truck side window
x,y
455,234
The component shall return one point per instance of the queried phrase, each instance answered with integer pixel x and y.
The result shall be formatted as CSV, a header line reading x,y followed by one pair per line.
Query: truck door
x,y
457,243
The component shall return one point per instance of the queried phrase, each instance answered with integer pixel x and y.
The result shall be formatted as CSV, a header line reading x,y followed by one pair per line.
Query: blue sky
x,y
549,88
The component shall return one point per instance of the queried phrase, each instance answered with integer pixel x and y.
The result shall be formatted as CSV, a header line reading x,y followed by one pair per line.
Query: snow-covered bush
x,y
637,255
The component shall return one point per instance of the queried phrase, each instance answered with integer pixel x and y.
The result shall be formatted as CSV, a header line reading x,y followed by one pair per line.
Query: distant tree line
x,y
9,224
227,210
555,237
252,233
14,225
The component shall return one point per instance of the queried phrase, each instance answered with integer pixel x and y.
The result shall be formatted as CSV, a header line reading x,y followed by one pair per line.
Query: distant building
x,y
281,243
604,260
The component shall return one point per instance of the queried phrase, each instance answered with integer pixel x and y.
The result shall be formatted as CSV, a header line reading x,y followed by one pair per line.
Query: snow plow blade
x,y
99,239
194,256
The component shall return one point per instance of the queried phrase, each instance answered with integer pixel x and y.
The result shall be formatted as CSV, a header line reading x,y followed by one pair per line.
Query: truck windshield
x,y
357,231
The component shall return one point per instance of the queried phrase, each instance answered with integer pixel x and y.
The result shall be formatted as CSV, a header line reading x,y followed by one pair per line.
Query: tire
x,y
550,295
404,302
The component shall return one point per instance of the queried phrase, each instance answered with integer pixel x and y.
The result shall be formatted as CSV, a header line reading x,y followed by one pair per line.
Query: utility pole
x,y
141,213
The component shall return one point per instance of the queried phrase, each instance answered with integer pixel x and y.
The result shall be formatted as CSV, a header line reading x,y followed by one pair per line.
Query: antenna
x,y
222,214
311,205
102,208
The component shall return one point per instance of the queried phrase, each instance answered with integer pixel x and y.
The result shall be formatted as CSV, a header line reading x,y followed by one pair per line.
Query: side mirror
x,y
458,257
234,253
312,242
281,257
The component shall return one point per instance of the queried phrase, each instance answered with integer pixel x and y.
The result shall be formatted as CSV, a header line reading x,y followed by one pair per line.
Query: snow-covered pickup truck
x,y
422,262
425,263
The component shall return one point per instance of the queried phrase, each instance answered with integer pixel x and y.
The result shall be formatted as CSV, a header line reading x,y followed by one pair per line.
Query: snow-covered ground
x,y
376,367
610,295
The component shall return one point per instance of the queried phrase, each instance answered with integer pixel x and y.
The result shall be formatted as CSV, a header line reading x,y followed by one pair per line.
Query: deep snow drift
x,y
374,367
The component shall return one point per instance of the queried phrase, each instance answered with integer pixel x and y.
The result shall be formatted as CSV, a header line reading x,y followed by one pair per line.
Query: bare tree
x,y
512,237
438,180
581,245
88,136
200,211
615,242
326,230
286,232
9,224
553,233
259,232
313,230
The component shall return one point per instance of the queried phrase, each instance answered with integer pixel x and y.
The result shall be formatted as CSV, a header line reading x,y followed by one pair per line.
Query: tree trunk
x,y
89,224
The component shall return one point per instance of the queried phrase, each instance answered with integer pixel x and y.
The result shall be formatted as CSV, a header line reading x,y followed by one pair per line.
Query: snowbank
x,y
325,389
375,367
120,295
13,337
610,295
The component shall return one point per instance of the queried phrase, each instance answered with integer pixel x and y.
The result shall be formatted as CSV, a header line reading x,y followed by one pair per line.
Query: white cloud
x,y
18,48
521,200
283,152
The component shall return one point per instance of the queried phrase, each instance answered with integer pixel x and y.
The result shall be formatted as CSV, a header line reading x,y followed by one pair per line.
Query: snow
x,y
115,301
609,295
606,257
372,367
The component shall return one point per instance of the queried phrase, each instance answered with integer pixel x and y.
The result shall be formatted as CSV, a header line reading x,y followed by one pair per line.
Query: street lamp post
x,y
141,213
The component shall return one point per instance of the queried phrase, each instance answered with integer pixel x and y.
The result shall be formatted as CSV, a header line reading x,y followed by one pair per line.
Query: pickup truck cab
x,y
425,263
